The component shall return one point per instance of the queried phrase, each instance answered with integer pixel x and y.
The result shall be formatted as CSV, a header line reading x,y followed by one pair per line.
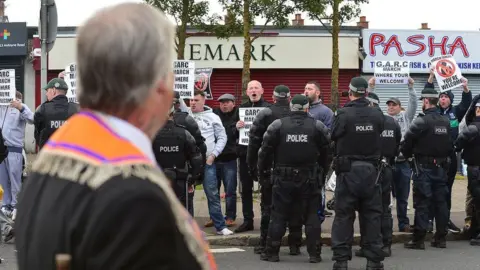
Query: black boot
x,y
359,253
261,245
314,252
245,227
340,265
415,245
387,250
270,254
294,250
439,242
371,265
475,241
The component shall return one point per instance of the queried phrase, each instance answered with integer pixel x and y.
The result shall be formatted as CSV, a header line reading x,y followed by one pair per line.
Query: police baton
x,y
383,164
186,195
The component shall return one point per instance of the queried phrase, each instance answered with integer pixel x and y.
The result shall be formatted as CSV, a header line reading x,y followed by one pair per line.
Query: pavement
x,y
457,255
252,237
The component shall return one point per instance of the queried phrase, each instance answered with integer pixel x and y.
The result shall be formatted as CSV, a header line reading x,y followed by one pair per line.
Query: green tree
x,y
240,20
185,13
337,12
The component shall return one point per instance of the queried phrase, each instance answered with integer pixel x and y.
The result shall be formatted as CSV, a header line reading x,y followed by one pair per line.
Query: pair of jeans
x,y
227,173
213,197
401,183
247,190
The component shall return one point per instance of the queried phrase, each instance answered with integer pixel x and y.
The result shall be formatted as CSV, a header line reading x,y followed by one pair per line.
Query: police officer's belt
x,y
432,161
297,173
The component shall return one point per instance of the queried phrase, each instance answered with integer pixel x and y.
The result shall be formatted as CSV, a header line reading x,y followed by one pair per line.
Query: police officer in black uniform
x,y
299,145
391,136
185,120
52,115
469,142
280,109
356,131
177,154
429,142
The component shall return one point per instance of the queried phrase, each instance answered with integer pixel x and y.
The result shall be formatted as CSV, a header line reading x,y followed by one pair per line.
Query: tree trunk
x,y
335,61
182,30
247,45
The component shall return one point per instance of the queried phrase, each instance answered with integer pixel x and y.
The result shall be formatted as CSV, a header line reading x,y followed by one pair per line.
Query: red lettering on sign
x,y
393,42
432,46
375,40
414,41
421,43
459,44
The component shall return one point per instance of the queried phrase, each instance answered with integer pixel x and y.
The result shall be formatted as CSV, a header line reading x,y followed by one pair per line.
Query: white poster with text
x,y
71,80
7,86
447,72
184,72
392,72
247,115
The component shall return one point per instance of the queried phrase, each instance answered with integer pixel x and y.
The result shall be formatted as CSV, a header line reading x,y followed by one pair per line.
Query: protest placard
x,y
7,86
71,80
247,115
202,81
392,72
447,72
184,77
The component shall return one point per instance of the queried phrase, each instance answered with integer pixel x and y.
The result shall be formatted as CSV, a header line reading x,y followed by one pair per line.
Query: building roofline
x,y
310,29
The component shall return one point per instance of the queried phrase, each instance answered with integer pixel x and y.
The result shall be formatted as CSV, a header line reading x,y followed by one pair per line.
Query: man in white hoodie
x,y
403,172
215,138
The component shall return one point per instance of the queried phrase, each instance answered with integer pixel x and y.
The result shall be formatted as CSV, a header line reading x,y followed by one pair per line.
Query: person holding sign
x,y
53,114
469,142
255,100
95,191
15,117
455,115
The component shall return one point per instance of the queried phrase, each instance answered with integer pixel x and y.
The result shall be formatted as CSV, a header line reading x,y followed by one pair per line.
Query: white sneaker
x,y
224,232
408,207
14,214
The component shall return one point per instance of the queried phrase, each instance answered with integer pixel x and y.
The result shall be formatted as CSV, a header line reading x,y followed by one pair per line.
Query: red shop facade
x,y
291,56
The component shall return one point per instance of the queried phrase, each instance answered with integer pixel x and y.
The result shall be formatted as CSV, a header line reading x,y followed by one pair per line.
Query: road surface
x,y
458,256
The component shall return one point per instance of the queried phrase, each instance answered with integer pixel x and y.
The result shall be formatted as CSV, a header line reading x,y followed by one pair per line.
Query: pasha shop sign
x,y
420,46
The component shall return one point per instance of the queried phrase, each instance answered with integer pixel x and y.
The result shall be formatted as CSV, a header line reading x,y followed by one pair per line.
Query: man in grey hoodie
x,y
403,172
215,138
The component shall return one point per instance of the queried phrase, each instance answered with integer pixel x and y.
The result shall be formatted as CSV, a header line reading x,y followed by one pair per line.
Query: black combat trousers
x,y
386,179
430,194
247,190
387,219
473,174
181,190
357,189
295,200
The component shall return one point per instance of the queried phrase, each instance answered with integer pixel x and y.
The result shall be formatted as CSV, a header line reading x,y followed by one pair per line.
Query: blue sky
x,y
392,14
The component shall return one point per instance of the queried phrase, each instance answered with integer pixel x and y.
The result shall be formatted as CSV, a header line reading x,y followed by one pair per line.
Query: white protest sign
x,y
447,72
71,80
247,115
392,72
7,86
184,77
